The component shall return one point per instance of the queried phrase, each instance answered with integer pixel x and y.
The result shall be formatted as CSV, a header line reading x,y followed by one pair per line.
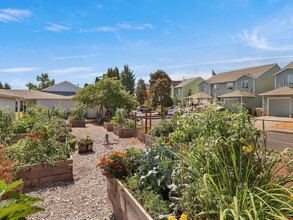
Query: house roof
x,y
56,87
175,83
237,94
289,66
200,95
234,75
279,92
186,81
31,94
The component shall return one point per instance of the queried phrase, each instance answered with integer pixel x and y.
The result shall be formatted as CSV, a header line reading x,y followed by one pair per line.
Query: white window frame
x,y
230,86
216,86
245,84
287,79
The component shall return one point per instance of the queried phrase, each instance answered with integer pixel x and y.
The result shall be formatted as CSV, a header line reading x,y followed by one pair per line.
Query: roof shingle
x,y
234,75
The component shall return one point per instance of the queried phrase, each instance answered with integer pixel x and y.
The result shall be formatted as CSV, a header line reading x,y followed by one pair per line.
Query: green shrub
x,y
23,125
164,128
120,117
6,127
78,111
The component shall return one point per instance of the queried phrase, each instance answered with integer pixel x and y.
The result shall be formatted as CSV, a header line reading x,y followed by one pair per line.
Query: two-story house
x,y
187,87
278,102
242,85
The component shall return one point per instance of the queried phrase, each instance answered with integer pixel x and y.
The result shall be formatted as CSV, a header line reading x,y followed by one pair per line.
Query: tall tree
x,y
141,94
128,79
44,82
5,86
160,85
107,92
112,73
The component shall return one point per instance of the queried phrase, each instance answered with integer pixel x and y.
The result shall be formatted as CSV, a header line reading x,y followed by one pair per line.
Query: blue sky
x,y
78,40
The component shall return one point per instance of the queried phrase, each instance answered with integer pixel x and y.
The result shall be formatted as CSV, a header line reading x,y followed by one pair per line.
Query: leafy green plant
x,y
16,206
6,128
164,128
23,125
78,111
227,172
40,147
120,117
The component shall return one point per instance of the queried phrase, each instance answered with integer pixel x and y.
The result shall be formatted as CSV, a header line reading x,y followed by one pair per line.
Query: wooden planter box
x,y
123,204
77,123
124,132
149,140
108,126
43,173
84,148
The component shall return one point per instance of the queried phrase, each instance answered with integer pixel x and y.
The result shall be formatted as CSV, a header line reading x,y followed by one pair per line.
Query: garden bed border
x,y
123,204
36,174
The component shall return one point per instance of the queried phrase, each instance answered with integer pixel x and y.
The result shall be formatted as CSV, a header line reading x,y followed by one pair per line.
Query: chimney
x,y
183,78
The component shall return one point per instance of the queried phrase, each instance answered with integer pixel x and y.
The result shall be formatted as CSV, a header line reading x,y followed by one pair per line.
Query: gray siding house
x,y
242,85
278,102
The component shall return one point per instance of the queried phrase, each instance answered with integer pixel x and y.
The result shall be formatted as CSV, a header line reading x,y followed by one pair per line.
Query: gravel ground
x,y
85,197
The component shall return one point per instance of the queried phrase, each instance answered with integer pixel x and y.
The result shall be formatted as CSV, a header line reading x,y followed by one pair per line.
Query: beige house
x,y
242,85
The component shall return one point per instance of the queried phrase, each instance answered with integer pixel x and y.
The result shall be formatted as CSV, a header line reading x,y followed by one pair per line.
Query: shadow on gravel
x,y
64,184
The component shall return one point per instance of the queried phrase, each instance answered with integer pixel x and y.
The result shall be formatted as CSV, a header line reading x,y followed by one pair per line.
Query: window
x,y
177,91
288,80
216,86
230,86
244,84
203,88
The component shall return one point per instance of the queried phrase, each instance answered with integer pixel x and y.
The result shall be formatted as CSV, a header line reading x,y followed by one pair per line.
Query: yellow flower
x,y
291,196
183,217
247,149
172,218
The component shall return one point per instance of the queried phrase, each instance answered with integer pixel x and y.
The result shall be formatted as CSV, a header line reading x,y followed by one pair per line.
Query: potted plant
x,y
72,143
85,144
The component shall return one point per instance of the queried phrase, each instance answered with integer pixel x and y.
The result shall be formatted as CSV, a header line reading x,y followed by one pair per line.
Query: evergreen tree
x,y
112,73
5,86
44,82
128,79
141,94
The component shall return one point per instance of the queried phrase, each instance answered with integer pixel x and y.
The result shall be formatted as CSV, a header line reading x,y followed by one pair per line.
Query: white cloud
x,y
275,33
57,28
8,14
70,70
255,40
119,26
18,69
74,57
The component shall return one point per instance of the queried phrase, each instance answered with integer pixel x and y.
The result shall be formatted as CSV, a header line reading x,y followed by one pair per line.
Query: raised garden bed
x,y
85,148
77,123
43,173
108,126
123,204
124,132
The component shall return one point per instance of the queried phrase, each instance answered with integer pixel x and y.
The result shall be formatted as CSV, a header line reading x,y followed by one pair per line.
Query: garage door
x,y
279,107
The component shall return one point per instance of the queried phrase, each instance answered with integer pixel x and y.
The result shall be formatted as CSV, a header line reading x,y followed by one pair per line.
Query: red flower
x,y
30,135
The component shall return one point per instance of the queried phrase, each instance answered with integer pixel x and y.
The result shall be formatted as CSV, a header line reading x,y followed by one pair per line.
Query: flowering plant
x,y
6,167
114,165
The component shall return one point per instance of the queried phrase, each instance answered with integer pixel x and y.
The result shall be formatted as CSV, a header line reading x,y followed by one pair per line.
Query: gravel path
x,y
85,197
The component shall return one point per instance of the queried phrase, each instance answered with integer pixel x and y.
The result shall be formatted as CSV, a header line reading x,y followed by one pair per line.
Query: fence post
x,y
146,123
150,121
134,124
264,135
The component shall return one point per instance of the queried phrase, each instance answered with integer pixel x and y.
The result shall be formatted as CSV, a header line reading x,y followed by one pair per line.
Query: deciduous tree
x,y
160,85
128,79
141,94
107,92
